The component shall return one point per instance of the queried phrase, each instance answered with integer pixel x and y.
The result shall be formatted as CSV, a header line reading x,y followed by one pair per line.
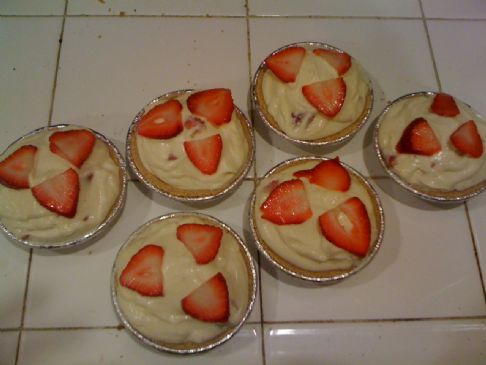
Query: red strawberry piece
x,y
467,139
286,63
164,121
210,301
15,169
74,146
216,105
201,240
354,238
418,139
444,105
329,174
143,272
341,61
326,96
287,204
60,193
205,153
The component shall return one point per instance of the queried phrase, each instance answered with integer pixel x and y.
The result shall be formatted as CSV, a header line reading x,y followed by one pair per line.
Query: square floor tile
x,y
463,77
8,347
27,68
407,8
477,212
454,9
425,268
157,7
133,60
118,347
381,46
429,342
32,7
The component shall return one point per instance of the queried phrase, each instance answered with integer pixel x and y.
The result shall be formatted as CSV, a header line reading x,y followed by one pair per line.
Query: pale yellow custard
x,y
299,119
446,170
303,245
99,189
162,318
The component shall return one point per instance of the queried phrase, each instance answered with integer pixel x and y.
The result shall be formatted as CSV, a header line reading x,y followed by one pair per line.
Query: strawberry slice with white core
x,y
163,121
348,226
286,63
445,105
143,272
202,240
329,174
467,140
287,204
340,61
210,301
74,146
205,153
60,193
15,169
326,96
419,139
216,105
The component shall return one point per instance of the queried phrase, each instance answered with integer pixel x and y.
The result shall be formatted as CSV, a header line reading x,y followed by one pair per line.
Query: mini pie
x,y
433,144
316,218
312,93
59,186
191,145
183,282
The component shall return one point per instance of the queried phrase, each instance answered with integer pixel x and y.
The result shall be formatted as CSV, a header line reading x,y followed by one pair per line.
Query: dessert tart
x,y
191,145
183,283
312,93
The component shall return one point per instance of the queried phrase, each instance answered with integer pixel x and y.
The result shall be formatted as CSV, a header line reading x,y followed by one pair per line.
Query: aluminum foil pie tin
x,y
428,194
271,123
109,219
187,348
184,195
319,277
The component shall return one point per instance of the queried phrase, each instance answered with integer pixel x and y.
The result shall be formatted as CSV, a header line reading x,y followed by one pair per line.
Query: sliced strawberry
x,y
287,204
326,96
467,139
418,139
164,121
329,174
352,233
15,169
202,240
60,193
216,105
341,61
74,146
210,301
286,63
143,272
205,153
444,105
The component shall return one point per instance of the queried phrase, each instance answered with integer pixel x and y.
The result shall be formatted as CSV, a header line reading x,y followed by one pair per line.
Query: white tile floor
x,y
421,301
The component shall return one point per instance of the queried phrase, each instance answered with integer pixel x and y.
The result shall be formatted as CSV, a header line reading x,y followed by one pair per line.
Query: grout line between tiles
x,y
475,249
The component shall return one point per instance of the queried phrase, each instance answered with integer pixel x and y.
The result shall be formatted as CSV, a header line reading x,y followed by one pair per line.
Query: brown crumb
x,y
122,13
90,176
86,218
99,36
14,69
172,157
25,237
90,252
101,1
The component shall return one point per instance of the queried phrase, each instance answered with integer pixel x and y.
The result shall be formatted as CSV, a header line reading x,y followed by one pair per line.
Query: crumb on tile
x,y
101,1
99,36
122,13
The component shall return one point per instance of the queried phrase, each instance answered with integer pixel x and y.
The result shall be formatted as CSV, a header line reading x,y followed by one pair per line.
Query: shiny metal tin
x,y
210,195
193,347
109,220
320,277
433,195
327,141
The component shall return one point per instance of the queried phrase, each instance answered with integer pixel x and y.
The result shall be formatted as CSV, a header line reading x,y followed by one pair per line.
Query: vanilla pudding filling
x,y
303,245
99,188
446,170
167,159
162,318
299,119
